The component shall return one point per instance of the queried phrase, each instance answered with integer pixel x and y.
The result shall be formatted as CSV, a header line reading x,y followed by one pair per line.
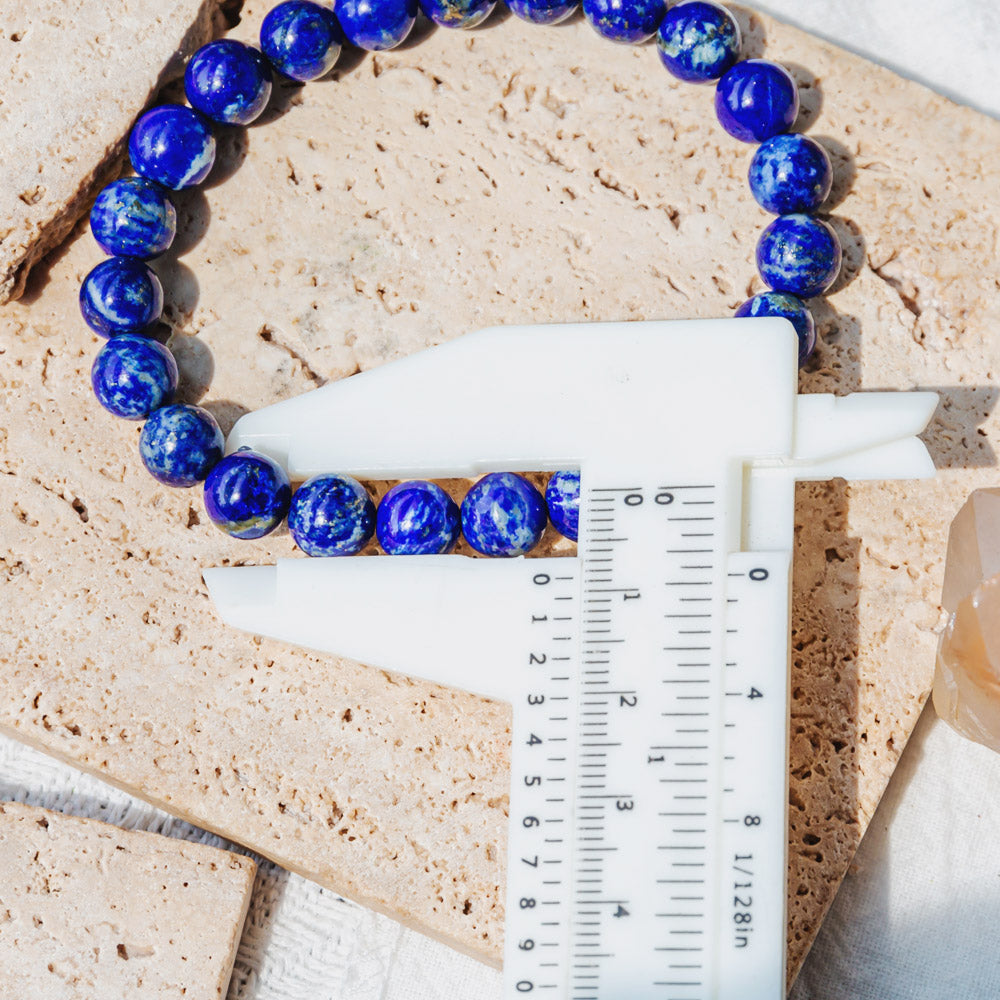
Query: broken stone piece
x,y
967,675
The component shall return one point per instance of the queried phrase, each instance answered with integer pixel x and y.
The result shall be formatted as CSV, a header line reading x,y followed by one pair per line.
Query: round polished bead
x,y
120,295
173,146
562,495
133,375
331,515
457,13
788,307
228,81
756,99
698,41
133,217
790,173
626,21
301,39
376,24
247,495
798,254
180,444
503,515
543,11
417,518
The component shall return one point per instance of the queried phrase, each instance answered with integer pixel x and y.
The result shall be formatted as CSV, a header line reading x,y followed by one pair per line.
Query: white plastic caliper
x,y
649,674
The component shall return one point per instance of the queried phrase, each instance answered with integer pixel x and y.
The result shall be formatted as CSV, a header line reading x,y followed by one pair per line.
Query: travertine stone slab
x,y
73,74
508,175
92,912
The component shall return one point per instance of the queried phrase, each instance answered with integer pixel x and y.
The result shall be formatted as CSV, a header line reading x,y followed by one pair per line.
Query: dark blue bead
x,y
132,376
756,99
698,41
543,11
503,515
457,13
228,81
247,495
627,21
331,515
376,24
790,173
180,444
417,518
173,146
301,39
562,495
798,254
788,307
133,217
120,295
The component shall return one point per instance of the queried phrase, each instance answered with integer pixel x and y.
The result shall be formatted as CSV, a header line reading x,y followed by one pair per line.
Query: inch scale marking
x,y
649,675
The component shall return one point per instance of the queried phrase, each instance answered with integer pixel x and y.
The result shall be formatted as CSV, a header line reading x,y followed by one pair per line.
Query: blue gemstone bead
x,y
457,13
247,495
133,217
173,146
756,99
120,295
788,307
331,515
376,24
543,11
562,495
228,81
790,173
301,39
417,518
798,254
698,41
626,21
180,444
133,375
503,515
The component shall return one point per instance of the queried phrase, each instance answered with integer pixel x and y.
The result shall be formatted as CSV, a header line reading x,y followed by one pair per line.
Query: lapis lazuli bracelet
x,y
228,83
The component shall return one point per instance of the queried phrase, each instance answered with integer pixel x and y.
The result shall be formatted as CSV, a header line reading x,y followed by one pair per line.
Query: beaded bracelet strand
x,y
228,83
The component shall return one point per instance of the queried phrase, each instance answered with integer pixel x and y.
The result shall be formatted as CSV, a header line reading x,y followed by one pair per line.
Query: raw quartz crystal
x,y
967,675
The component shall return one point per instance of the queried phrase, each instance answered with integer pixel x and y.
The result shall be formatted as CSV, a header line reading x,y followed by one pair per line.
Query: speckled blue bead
x,y
790,173
247,495
133,217
788,307
120,295
173,146
417,518
331,515
798,254
228,81
133,375
301,39
543,11
376,24
457,13
698,41
562,495
180,444
626,21
756,99
503,515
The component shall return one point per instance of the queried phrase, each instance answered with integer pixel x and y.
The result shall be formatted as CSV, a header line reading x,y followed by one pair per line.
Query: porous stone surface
x,y
507,175
73,75
91,911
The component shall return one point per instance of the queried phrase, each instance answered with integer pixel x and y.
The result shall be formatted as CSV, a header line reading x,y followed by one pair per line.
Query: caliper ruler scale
x,y
649,674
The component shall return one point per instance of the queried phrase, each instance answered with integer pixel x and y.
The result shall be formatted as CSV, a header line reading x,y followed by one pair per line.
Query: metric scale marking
x,y
649,675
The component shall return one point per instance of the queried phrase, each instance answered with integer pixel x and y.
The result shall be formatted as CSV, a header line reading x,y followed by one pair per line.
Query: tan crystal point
x,y
973,547
967,676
